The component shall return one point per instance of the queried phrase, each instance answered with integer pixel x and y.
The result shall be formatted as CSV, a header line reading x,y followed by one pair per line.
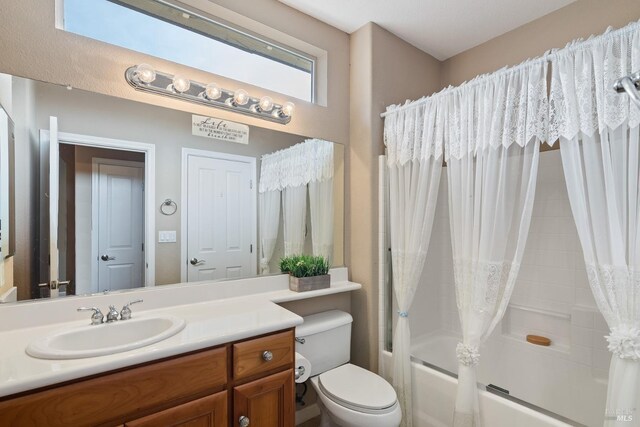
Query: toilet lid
x,y
357,388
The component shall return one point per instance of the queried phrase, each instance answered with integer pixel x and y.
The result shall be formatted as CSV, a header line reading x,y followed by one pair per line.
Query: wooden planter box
x,y
304,284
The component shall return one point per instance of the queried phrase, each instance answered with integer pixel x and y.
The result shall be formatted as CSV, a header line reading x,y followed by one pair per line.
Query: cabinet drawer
x,y
111,398
249,358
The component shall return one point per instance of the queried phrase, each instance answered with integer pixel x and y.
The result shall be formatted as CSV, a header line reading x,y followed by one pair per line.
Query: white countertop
x,y
209,323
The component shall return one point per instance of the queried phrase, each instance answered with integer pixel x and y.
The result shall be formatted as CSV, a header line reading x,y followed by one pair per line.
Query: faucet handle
x,y
125,313
97,317
112,315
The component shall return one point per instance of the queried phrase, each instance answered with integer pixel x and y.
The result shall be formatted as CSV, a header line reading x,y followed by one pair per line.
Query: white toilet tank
x,y
325,340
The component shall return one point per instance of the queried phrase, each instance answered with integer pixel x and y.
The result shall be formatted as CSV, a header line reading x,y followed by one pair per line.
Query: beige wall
x,y
27,195
555,30
31,46
384,70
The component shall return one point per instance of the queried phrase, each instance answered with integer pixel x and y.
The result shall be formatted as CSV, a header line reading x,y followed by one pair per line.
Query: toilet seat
x,y
358,389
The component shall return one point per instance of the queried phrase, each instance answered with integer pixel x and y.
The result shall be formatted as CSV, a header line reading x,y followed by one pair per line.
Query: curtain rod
x,y
549,55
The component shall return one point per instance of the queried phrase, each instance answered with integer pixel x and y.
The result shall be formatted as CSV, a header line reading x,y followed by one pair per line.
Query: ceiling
x,y
442,28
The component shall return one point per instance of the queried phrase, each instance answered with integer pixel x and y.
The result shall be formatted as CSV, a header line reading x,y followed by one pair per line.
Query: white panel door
x,y
120,227
219,219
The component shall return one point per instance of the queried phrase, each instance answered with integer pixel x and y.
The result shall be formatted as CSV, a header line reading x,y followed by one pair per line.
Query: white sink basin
x,y
108,338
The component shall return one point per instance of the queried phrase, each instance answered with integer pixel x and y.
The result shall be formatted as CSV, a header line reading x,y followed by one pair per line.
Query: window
x,y
164,30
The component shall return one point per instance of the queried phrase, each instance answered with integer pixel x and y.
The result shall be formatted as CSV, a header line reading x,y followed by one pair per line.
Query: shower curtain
x,y
269,225
599,138
414,160
294,215
496,126
321,198
269,188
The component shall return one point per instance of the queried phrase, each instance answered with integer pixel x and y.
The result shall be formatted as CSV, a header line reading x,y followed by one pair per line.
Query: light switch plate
x,y
167,236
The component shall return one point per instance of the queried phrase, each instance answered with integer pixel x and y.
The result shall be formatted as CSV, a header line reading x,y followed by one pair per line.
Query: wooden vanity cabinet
x,y
210,388
263,386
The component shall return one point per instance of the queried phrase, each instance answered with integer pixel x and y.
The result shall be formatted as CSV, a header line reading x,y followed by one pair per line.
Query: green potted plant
x,y
306,272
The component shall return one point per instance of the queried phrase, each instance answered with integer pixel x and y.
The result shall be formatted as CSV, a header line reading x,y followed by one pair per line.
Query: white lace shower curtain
x,y
497,124
321,199
269,225
600,148
288,172
321,214
414,160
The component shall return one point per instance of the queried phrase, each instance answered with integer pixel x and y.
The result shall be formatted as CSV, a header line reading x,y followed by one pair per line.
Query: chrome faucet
x,y
125,313
112,315
97,317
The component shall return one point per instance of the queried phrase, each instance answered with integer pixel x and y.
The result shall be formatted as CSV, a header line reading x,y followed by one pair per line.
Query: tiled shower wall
x,y
552,296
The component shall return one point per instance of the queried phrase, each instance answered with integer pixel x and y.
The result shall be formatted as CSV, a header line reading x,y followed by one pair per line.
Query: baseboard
x,y
307,413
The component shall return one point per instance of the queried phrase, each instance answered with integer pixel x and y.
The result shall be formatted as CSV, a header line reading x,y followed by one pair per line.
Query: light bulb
x,y
145,73
181,83
266,103
240,97
212,91
287,109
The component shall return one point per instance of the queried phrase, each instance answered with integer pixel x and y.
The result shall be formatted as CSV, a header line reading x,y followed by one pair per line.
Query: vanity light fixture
x,y
145,78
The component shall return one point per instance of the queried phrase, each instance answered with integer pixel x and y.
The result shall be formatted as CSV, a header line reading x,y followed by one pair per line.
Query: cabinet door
x,y
209,411
267,402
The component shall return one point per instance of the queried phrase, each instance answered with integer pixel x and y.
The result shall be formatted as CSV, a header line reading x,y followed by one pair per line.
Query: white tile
x,y
581,336
583,318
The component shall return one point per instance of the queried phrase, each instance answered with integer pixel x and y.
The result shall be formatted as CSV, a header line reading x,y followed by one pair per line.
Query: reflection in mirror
x,y
7,202
113,194
286,177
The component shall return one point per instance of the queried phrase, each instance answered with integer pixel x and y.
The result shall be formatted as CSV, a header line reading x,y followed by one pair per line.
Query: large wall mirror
x,y
101,194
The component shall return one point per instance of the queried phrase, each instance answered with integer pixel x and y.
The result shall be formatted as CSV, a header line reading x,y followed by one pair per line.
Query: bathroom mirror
x,y
111,194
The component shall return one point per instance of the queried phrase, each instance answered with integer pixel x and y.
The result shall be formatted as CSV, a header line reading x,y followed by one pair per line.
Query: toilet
x,y
348,396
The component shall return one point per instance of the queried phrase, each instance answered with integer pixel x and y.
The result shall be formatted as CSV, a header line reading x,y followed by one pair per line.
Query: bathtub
x,y
535,376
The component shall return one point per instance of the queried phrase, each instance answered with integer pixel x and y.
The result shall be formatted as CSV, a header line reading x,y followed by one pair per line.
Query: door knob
x,y
106,257
267,356
243,421
196,261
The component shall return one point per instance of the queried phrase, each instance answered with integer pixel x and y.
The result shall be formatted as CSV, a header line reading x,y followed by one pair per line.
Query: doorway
x,y
99,233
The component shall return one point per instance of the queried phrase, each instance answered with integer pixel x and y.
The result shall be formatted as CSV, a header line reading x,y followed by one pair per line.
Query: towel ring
x,y
168,207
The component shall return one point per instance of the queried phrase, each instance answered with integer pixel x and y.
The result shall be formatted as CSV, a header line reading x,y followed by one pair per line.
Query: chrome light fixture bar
x,y
631,85
145,78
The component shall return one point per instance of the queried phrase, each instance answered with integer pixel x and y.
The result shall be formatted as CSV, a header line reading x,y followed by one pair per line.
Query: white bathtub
x,y
536,375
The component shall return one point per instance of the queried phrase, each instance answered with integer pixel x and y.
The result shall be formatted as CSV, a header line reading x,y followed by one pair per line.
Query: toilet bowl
x,y
348,396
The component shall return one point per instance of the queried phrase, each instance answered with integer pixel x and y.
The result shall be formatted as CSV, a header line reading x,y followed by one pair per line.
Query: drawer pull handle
x,y
267,356
243,421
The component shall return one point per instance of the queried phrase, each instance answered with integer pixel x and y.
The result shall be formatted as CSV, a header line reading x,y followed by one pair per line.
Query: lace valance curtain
x,y
308,161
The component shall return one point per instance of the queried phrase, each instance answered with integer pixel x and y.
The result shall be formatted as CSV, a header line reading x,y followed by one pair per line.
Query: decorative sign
x,y
222,130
